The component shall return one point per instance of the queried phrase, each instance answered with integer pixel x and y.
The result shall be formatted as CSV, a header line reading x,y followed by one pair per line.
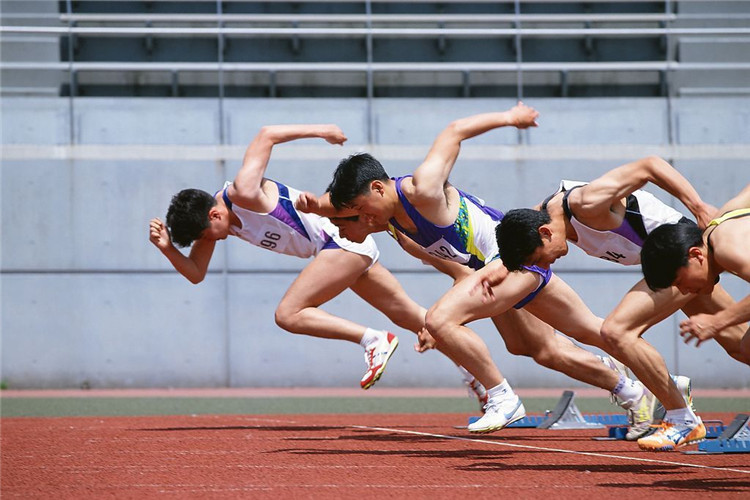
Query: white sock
x,y
681,415
370,336
501,391
628,391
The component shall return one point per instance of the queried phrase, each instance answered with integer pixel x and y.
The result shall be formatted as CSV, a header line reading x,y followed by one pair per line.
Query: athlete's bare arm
x,y
426,190
311,203
596,201
248,189
192,267
742,200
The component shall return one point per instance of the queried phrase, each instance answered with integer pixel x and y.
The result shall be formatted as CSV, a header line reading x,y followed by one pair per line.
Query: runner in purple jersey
x,y
455,226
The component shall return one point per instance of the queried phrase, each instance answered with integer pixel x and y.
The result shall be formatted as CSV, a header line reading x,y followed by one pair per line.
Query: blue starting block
x,y
735,438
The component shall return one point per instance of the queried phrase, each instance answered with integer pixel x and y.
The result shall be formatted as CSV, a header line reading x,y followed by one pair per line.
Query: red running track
x,y
342,456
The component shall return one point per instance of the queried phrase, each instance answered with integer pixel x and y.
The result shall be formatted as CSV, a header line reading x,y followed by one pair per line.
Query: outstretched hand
x,y
307,203
426,341
523,116
159,234
334,135
707,214
486,278
700,328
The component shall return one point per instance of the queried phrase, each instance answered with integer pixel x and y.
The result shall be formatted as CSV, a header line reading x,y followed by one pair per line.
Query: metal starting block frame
x,y
735,438
566,415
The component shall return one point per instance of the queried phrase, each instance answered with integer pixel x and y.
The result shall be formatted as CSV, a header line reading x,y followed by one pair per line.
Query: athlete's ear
x,y
214,214
545,233
696,253
377,187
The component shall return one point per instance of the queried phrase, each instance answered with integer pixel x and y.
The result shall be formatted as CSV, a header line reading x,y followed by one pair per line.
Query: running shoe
x,y
376,357
498,414
670,435
641,416
477,389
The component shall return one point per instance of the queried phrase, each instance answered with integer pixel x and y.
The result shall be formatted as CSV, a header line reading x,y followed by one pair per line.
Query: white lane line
x,y
542,448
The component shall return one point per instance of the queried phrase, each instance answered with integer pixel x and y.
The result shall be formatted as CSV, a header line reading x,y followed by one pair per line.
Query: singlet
x,y
470,240
732,214
289,232
643,213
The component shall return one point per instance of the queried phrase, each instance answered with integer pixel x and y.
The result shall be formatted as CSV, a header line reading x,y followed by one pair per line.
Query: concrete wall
x,y
86,299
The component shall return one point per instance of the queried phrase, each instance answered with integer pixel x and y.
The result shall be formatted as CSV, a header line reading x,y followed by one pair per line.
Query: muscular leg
x,y
730,338
379,288
331,272
559,306
623,329
556,304
447,318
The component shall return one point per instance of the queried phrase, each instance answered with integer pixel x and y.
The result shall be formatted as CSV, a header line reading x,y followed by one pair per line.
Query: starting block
x,y
735,438
566,415
619,431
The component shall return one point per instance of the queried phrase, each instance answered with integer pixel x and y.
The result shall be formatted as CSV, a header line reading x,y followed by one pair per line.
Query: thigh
x,y
560,306
523,333
729,338
641,308
380,288
331,272
464,302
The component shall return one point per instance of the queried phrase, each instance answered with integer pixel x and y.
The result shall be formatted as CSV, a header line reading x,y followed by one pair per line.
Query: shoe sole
x,y
496,428
379,373
673,447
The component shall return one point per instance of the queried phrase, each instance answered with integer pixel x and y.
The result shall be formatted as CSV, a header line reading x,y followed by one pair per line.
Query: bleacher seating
x,y
385,48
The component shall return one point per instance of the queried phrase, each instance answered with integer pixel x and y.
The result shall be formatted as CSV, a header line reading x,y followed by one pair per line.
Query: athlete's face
x,y
554,245
218,228
372,206
694,276
351,228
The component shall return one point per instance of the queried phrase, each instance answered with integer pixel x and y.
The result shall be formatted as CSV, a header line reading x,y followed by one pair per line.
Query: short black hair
x,y
187,216
665,251
518,235
353,177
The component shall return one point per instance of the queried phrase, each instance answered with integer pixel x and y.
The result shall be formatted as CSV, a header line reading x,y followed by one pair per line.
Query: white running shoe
x,y
477,389
376,357
641,416
498,414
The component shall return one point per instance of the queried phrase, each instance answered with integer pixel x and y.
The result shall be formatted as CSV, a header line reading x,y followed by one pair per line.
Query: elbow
x,y
195,279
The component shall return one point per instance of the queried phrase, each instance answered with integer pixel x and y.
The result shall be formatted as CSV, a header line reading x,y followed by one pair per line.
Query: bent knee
x,y
284,318
616,335
546,357
438,321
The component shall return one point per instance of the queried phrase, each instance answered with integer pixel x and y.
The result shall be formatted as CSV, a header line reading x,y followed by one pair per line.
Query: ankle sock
x,y
681,415
502,390
628,391
369,337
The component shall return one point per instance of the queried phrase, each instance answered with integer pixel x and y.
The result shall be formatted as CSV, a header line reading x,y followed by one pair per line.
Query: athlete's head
x,y
352,228
675,255
192,215
527,237
358,183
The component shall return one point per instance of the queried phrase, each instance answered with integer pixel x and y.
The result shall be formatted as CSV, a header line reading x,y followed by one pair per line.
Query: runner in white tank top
x,y
261,212
606,219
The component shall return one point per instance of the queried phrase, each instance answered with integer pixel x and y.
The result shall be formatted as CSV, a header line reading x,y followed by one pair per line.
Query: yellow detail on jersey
x,y
465,231
729,215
